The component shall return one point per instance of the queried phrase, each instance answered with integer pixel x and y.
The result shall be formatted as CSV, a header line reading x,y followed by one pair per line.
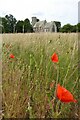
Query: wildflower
x,y
64,95
54,58
12,56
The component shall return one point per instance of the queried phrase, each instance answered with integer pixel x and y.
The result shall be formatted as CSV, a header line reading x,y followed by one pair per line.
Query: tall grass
x,y
27,77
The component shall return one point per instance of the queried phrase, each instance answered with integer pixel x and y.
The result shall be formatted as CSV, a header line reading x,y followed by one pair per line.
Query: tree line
x,y
9,24
70,28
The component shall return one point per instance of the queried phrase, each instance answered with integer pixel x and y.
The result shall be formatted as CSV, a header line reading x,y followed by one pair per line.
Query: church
x,y
44,26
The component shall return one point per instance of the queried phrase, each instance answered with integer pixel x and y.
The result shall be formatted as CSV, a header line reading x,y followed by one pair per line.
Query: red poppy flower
x,y
12,56
54,57
64,95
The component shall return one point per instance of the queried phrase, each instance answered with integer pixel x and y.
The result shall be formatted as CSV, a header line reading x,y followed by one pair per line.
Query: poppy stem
x,y
68,68
57,80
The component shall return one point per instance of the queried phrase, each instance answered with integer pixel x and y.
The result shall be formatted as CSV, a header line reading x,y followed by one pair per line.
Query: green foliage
x,y
74,28
11,22
11,25
69,28
78,27
58,24
27,26
24,26
8,23
5,28
19,26
1,25
66,28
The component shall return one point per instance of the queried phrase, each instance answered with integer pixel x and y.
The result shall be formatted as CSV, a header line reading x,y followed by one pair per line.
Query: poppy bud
x,y
54,58
12,56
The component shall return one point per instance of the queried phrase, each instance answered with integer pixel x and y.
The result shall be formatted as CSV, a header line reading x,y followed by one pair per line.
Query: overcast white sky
x,y
65,11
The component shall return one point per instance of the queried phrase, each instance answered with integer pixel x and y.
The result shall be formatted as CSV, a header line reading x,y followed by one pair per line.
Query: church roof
x,y
40,23
49,24
44,24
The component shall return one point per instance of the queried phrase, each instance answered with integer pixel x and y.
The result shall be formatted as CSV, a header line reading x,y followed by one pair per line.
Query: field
x,y
29,79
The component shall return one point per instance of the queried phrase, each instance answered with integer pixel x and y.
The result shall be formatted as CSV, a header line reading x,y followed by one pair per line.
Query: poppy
x,y
54,58
12,56
64,95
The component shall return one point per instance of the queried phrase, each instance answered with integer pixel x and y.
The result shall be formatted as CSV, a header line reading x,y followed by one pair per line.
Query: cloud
x,y
38,14
65,11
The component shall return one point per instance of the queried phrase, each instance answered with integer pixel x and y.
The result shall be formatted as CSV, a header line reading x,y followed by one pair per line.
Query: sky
x,y
65,11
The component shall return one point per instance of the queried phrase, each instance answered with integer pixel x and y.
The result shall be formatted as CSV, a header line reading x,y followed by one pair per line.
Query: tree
x,y
78,27
11,23
74,28
24,26
69,28
19,26
66,28
37,20
1,25
58,24
5,28
27,26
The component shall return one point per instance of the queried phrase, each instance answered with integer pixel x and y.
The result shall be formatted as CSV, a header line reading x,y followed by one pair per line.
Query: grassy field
x,y
27,77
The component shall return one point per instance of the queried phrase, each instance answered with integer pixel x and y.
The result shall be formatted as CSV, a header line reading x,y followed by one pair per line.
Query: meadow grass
x,y
27,77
